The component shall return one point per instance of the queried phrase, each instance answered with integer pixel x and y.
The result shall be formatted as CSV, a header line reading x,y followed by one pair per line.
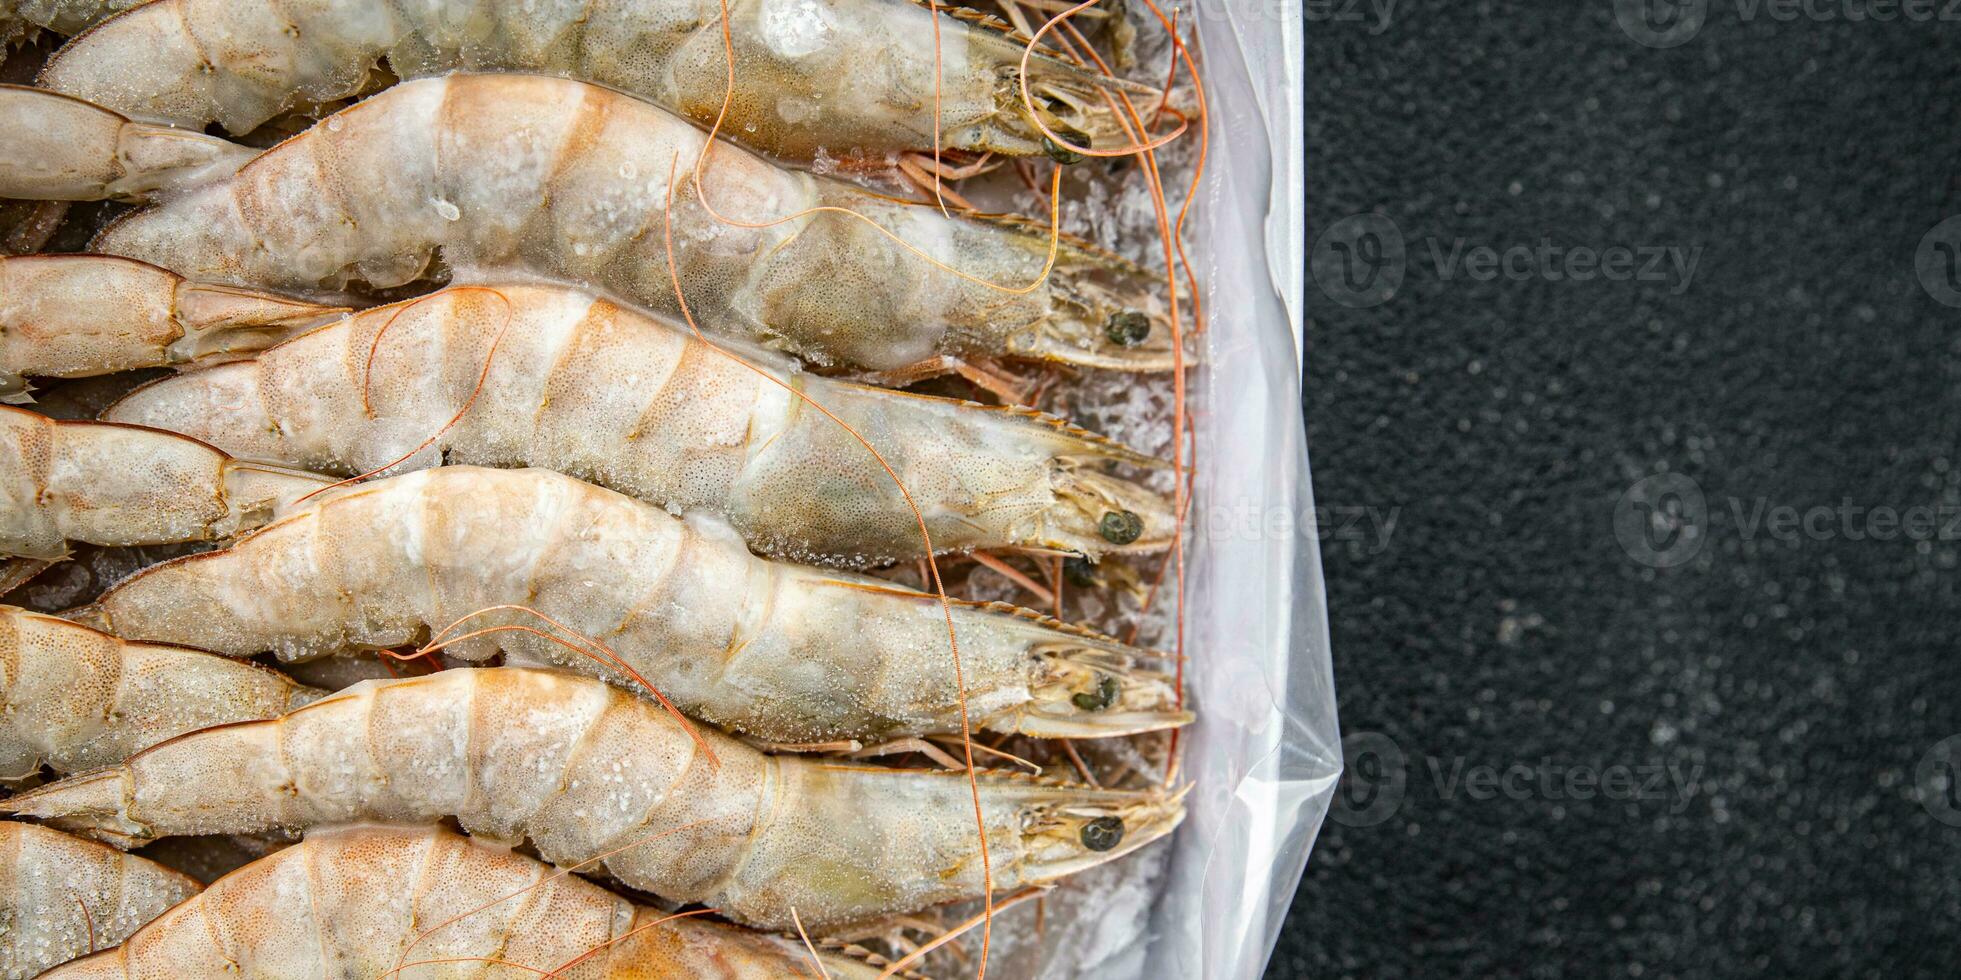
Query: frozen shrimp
x,y
60,148
853,77
470,176
109,484
364,901
74,316
637,404
584,771
74,699
784,653
62,897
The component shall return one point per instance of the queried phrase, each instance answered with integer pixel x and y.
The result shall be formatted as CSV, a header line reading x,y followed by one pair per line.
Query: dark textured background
x,y
1803,679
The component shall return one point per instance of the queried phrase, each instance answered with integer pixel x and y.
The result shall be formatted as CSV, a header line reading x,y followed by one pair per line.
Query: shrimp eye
x,y
1079,572
1104,696
1127,328
1059,153
1120,527
1103,833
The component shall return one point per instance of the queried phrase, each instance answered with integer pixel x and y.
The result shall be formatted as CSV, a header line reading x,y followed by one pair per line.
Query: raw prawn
x,y
110,484
472,176
581,769
62,897
854,77
73,316
74,699
363,901
636,404
785,653
60,148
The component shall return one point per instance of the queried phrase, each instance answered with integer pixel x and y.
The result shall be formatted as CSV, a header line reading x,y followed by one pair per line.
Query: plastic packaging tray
x,y
1266,752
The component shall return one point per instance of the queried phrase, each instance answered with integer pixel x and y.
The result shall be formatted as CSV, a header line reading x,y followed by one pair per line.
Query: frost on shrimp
x,y
339,904
61,897
853,76
60,148
485,173
579,769
75,316
74,699
638,405
110,484
782,652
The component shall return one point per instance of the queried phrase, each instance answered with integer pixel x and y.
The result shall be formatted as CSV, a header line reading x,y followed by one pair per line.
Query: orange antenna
x,y
933,10
88,921
585,646
489,357
496,961
560,969
1028,100
807,947
950,935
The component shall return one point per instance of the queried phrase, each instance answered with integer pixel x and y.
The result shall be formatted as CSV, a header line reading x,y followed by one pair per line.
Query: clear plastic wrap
x,y
1266,753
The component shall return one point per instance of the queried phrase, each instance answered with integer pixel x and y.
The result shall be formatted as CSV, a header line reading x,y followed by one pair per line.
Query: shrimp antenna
x,y
560,969
586,646
489,357
951,934
807,947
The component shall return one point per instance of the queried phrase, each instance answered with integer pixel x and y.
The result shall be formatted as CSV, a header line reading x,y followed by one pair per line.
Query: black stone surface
x,y
1796,681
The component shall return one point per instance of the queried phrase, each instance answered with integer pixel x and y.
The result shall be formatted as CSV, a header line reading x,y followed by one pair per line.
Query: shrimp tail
x,y
222,322
66,149
91,804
